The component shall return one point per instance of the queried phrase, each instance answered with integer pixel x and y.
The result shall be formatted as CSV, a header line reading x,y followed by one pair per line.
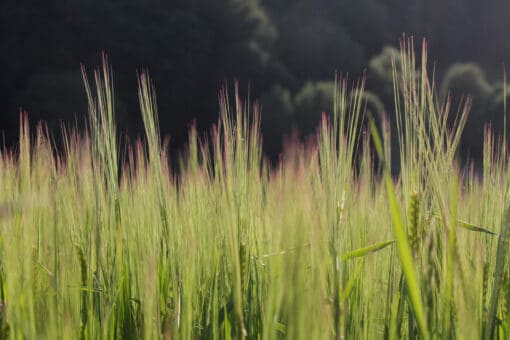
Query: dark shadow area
x,y
285,52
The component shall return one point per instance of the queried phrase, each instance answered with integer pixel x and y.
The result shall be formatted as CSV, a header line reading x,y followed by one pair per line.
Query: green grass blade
x,y
501,254
403,246
473,227
361,252
350,283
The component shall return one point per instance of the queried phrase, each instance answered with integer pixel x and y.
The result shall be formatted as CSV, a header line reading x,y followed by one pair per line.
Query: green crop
x,y
96,242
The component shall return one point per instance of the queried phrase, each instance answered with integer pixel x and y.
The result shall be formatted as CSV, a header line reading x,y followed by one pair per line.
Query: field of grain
x,y
98,242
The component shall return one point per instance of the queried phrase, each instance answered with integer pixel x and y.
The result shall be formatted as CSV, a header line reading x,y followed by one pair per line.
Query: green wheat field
x,y
96,242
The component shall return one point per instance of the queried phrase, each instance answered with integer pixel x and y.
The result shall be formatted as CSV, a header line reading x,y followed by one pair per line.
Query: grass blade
x,y
473,227
501,254
403,246
361,252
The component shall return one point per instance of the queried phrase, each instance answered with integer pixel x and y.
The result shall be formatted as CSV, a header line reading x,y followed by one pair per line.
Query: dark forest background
x,y
284,52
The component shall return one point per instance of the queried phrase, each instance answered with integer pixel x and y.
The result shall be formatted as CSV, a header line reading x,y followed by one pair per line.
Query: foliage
x,y
95,247
314,99
277,116
497,110
380,72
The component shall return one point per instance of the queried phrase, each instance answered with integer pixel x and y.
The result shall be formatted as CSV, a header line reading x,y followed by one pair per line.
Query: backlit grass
x,y
327,244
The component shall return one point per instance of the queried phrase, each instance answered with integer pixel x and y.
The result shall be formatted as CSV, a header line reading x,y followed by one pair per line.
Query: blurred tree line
x,y
284,52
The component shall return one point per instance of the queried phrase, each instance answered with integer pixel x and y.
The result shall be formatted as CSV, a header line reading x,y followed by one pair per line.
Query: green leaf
x,y
403,246
501,259
361,252
350,284
280,327
472,227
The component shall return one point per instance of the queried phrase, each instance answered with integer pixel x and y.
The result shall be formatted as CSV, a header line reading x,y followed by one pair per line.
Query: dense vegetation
x,y
282,50
98,243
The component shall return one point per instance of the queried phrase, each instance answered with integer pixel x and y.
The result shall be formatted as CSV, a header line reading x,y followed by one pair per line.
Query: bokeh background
x,y
283,52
